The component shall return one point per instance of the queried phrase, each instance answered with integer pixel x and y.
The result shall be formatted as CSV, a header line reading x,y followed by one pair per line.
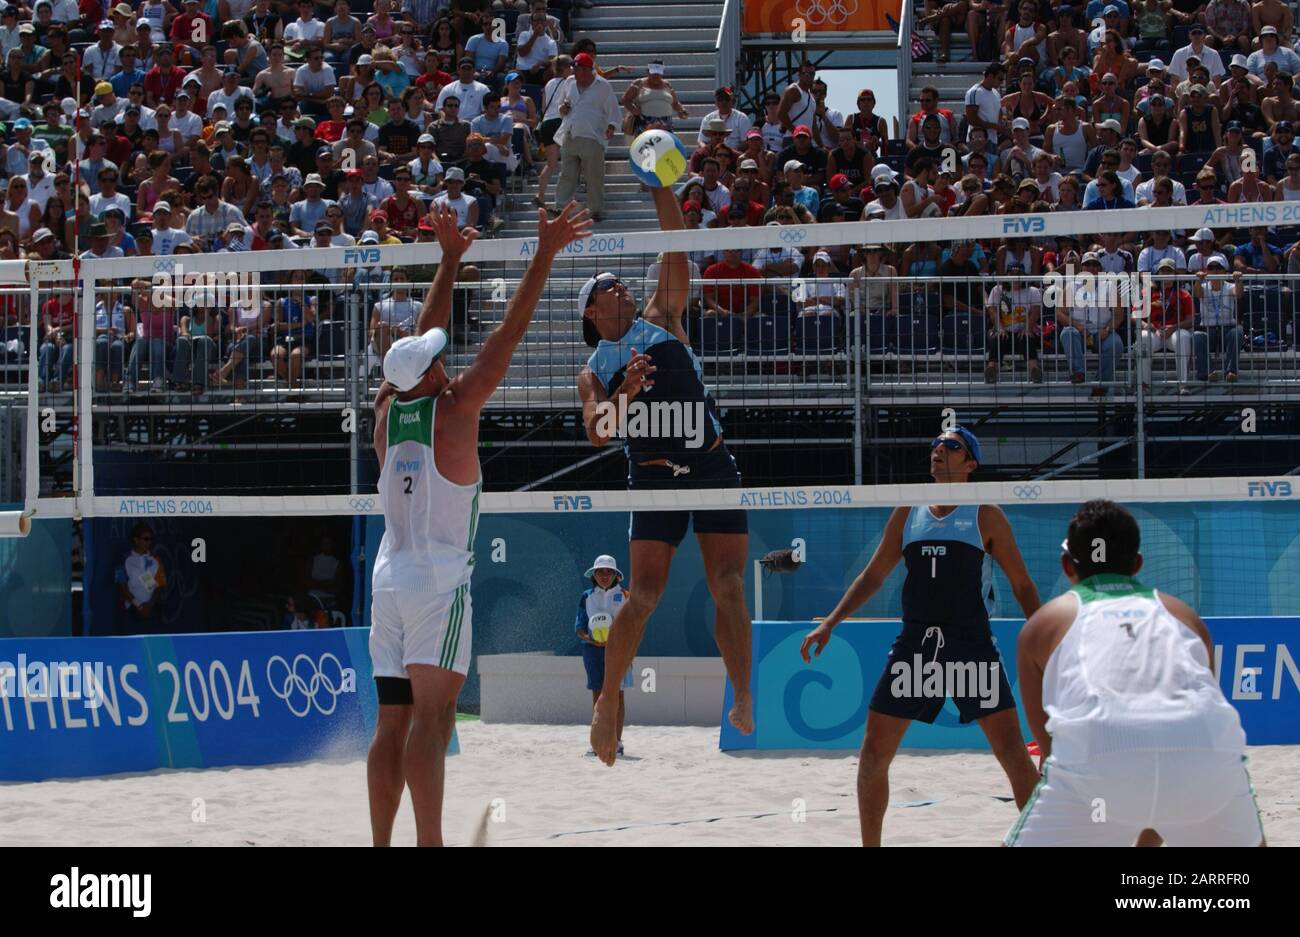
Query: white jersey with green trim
x,y
429,522
1128,676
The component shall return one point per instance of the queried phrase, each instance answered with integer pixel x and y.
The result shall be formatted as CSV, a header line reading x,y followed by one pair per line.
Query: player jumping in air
x,y
643,362
947,598
426,440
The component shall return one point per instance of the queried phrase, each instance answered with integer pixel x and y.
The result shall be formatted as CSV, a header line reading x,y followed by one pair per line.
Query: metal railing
x,y
727,45
904,66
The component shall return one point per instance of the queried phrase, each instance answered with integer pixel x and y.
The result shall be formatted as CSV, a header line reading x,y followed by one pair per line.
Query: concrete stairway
x,y
629,33
952,79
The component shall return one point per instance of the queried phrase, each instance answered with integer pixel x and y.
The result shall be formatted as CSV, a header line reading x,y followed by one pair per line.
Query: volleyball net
x,y
242,384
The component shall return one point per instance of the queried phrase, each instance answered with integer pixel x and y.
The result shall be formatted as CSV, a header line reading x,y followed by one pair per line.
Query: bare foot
x,y
742,715
604,729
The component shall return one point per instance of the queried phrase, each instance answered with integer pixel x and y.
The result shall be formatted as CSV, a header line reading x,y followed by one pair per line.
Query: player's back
x,y
430,522
1129,676
949,575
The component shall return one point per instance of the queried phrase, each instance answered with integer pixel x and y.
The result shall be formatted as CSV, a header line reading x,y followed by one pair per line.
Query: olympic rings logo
x,y
1028,492
793,235
817,12
362,505
164,264
305,682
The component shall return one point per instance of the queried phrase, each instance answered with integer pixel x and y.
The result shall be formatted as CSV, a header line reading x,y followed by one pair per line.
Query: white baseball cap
x,y
1020,123
1203,234
410,358
604,561
584,294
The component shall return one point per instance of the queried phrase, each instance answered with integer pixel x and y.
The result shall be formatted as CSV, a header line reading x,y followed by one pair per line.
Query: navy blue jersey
x,y
676,405
949,576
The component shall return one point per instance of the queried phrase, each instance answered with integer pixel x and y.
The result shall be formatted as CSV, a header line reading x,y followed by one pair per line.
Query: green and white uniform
x,y
1142,735
420,608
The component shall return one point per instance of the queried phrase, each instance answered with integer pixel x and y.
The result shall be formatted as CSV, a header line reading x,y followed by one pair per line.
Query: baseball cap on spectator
x,y
22,123
1238,61
1268,31
455,174
103,87
426,138
26,28
1091,258
748,164
313,179
142,22
305,122
513,76
1155,65
324,227
802,130
1214,260
1111,124
753,133
68,106
220,127
584,60
884,178
655,68
324,153
1203,234
792,165
426,225
1027,184
716,125
161,205
355,174
366,60
724,92
1234,125
40,234
1020,123
822,256
99,230
106,24
838,181
1283,126
1166,264
1109,9
368,237
1197,89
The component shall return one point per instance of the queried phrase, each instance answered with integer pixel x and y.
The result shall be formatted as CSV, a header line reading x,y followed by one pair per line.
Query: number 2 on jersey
x,y
409,480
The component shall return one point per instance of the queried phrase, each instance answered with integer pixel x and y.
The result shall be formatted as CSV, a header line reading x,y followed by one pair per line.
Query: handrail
x,y
904,65
727,45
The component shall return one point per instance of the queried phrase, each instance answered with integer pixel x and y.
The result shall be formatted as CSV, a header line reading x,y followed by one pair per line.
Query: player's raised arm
x,y
1003,549
475,384
888,552
454,243
666,306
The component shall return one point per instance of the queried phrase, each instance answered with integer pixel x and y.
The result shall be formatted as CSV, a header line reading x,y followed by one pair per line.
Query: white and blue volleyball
x,y
658,158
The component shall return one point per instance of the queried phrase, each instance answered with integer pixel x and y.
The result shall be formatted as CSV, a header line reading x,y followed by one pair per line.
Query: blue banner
x,y
77,707
824,704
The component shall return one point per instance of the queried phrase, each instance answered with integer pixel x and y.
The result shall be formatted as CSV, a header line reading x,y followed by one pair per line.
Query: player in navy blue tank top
x,y
644,367
946,648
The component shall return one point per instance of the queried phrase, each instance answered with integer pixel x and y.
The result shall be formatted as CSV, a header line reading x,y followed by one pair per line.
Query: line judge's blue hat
x,y
972,442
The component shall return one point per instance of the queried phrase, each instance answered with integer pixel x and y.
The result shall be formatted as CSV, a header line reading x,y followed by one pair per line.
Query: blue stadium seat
x,y
332,339
820,335
1190,162
1143,163
962,334
718,336
767,335
874,336
915,334
1261,310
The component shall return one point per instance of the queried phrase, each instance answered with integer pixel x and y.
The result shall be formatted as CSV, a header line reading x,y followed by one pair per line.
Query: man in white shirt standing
x,y
738,122
589,109
1197,47
984,104
536,46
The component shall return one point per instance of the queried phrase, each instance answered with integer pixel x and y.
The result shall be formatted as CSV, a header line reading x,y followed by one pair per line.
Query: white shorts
x,y
418,628
1191,798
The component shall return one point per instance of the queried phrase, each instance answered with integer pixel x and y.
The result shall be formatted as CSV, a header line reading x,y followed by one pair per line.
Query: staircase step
x,y
610,19
652,44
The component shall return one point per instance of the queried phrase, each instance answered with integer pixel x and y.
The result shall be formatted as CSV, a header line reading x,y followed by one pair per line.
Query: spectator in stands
x,y
453,196
1288,186
141,581
294,328
1084,326
212,215
1199,123
984,104
928,100
1014,309
1169,326
536,46
797,103
1219,332
866,119
1026,38
588,106
1257,255
1178,65
875,281
1273,13
1280,104
737,122
468,92
733,299
1159,132
155,345
1270,51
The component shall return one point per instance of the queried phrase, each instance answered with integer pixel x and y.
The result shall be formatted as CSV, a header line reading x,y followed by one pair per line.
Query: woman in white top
x,y
551,119
1288,186
650,102
876,282
394,317
26,212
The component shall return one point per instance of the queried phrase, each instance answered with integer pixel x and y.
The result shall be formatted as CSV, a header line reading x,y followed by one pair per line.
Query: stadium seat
x,y
1190,163
332,339
875,338
718,336
1143,163
962,334
767,335
820,335
915,334
1261,310
896,148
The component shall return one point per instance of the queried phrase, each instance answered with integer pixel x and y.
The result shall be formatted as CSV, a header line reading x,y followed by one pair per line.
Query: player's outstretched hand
x,y
818,638
446,227
637,374
571,224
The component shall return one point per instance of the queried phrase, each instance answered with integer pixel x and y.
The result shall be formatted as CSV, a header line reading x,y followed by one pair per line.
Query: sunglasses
x,y
952,445
606,286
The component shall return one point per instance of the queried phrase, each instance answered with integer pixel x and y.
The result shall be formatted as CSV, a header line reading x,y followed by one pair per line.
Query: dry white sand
x,y
674,788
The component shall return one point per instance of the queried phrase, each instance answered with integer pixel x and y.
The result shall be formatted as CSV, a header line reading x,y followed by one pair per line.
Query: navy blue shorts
x,y
714,469
969,670
593,658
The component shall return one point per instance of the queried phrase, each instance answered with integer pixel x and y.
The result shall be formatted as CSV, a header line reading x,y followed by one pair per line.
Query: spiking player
x,y
947,598
647,360
426,440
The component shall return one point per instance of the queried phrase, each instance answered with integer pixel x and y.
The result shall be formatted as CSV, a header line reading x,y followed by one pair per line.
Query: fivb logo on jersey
x,y
660,419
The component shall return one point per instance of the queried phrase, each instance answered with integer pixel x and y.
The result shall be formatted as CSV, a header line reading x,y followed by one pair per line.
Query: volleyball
x,y
658,158
599,627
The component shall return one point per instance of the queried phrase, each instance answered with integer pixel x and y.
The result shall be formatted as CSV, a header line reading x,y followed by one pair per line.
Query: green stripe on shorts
x,y
451,640
1024,814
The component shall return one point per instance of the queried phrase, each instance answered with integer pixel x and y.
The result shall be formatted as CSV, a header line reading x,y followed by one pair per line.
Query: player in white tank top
x,y
426,440
1118,688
